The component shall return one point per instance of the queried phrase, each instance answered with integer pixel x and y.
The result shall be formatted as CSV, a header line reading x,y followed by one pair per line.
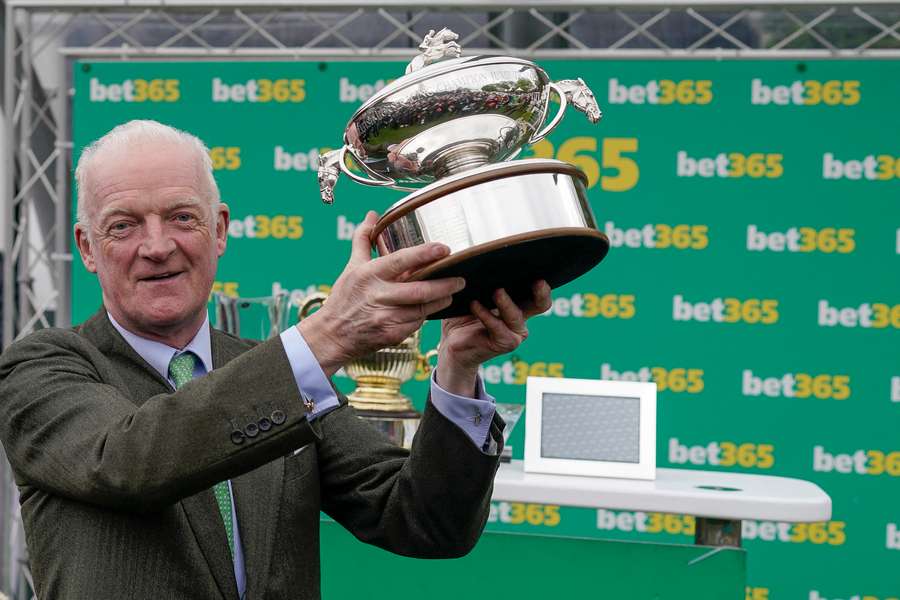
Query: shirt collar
x,y
158,355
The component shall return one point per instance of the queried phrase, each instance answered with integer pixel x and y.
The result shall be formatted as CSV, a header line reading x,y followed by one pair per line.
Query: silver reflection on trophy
x,y
448,131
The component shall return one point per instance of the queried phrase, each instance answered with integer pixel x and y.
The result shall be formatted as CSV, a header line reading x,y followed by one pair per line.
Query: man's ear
x,y
223,217
82,240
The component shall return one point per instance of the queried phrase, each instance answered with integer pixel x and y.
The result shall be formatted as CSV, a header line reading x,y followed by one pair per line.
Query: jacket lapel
x,y
257,497
206,523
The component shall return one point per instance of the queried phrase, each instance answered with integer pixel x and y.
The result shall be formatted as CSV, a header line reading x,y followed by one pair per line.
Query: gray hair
x,y
131,133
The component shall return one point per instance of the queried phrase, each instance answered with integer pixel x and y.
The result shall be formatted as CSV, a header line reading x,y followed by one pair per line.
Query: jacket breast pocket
x,y
300,462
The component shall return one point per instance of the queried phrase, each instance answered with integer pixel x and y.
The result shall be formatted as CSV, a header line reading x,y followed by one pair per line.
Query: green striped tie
x,y
181,369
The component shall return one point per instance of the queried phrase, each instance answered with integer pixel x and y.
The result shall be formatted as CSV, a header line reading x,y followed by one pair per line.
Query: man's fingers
x,y
420,292
394,266
510,313
497,328
541,301
361,245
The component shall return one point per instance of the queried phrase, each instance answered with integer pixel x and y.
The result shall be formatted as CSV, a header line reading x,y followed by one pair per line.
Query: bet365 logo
x,y
877,315
726,310
754,165
658,236
259,90
806,93
723,454
663,91
135,90
874,167
802,239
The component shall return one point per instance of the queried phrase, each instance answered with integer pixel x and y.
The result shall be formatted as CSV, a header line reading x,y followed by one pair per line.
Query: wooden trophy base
x,y
514,263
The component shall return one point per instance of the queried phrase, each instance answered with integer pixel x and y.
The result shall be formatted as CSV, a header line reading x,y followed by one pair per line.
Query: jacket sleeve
x,y
69,429
431,502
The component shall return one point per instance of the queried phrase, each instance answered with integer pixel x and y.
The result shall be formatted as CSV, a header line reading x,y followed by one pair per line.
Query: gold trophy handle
x,y
425,360
309,303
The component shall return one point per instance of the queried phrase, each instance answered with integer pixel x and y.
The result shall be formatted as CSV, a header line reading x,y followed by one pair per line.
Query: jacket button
x,y
264,423
278,417
237,437
251,430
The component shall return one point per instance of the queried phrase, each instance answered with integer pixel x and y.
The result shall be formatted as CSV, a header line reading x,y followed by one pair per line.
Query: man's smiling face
x,y
154,239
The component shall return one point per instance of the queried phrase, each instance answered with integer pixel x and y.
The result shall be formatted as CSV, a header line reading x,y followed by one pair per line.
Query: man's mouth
x,y
162,276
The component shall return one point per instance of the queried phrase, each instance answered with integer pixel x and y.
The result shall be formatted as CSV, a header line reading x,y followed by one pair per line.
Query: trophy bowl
x,y
448,132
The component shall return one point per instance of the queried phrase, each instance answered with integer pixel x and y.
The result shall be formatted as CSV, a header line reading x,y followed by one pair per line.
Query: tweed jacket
x,y
115,470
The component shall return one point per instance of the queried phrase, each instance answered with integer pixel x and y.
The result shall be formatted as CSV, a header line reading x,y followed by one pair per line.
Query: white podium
x,y
718,500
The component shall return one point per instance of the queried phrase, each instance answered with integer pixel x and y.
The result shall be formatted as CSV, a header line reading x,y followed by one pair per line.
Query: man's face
x,y
154,241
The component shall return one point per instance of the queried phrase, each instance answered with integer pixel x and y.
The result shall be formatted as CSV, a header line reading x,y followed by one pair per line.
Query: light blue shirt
x,y
472,415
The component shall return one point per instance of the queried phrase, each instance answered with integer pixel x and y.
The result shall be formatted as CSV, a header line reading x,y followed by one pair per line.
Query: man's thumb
x,y
362,239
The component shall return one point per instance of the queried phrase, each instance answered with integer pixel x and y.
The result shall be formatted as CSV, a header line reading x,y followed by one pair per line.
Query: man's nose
x,y
157,243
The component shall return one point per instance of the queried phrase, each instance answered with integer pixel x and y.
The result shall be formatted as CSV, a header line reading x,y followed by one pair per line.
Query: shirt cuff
x,y
311,380
472,415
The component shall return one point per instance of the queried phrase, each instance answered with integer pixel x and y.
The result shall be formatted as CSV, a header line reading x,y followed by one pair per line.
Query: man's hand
x,y
468,341
372,305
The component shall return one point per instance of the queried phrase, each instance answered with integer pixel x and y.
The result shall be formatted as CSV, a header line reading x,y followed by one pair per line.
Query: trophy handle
x,y
563,102
332,164
425,360
579,95
309,303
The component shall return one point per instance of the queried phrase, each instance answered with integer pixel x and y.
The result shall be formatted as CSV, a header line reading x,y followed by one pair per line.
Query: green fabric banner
x,y
754,213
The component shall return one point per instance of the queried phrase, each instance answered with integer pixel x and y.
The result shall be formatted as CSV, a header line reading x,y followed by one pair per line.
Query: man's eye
x,y
184,217
119,226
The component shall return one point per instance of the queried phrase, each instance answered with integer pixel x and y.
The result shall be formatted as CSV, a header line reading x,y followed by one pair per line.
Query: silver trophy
x,y
448,132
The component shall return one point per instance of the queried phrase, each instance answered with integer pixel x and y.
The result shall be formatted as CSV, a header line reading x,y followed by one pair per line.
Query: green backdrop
x,y
754,212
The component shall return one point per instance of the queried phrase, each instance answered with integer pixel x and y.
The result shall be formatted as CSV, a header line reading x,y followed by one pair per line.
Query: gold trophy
x,y
378,376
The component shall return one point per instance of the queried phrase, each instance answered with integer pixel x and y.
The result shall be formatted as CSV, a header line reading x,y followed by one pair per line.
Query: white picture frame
x,y
545,454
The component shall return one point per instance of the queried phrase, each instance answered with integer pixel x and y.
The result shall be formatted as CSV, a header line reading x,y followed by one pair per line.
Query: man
x,y
157,458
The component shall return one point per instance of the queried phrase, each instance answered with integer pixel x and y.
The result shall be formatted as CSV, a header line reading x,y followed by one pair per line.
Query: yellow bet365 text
x,y
877,315
860,462
620,173
806,93
757,593
796,385
659,236
521,513
228,288
278,227
135,90
831,533
517,372
591,306
730,164
802,239
723,454
663,91
225,157
259,90
678,380
726,310
645,522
